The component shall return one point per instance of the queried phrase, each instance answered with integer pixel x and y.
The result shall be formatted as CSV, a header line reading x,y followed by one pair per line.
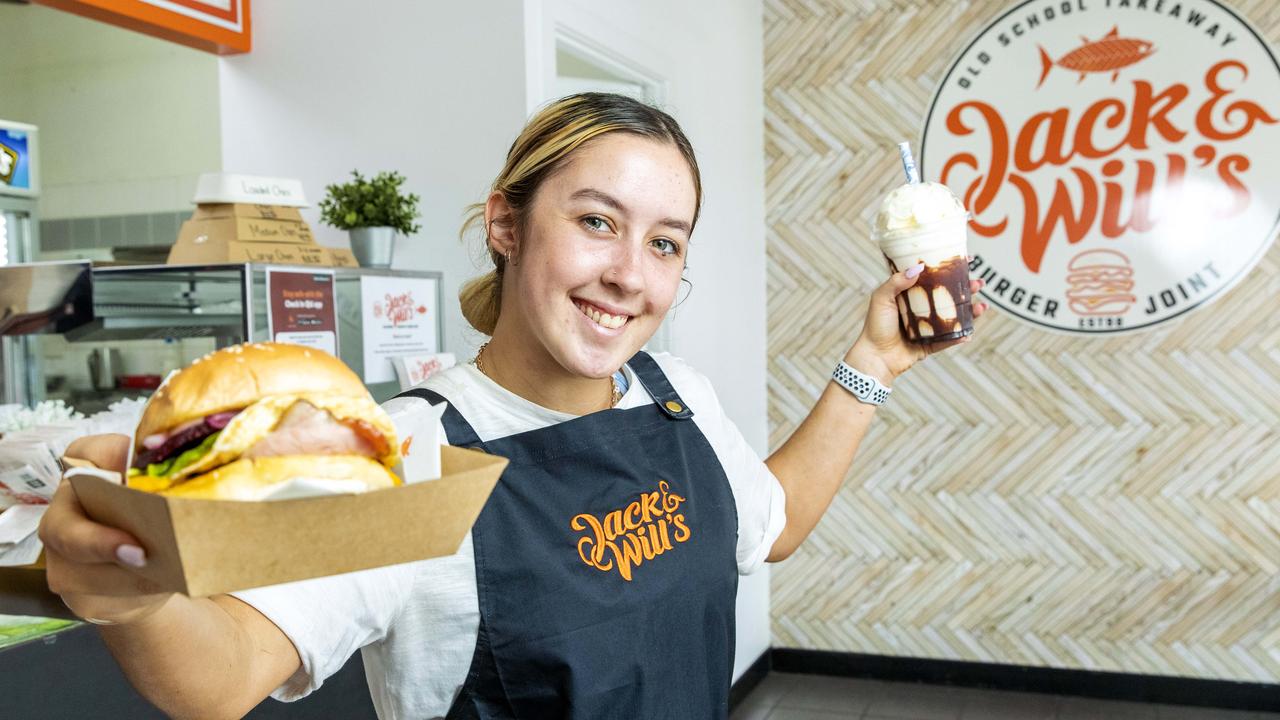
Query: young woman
x,y
600,579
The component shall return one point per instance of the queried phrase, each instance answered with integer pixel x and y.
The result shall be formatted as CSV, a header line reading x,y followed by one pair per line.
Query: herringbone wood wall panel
x,y
1034,498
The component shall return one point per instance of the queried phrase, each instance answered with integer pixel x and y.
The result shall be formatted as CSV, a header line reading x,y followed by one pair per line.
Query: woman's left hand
x,y
881,350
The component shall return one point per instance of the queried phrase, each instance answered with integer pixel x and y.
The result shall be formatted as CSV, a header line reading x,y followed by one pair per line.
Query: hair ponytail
x,y
481,301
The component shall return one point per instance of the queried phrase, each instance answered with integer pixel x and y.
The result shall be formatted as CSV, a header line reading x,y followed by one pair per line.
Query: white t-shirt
x,y
416,623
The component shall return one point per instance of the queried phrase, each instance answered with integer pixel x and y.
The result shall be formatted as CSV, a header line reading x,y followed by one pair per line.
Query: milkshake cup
x,y
924,222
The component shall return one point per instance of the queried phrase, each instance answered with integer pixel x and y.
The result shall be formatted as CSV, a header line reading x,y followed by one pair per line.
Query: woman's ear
x,y
499,225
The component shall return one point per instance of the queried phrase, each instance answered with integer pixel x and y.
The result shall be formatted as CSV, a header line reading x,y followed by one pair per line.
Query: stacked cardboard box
x,y
243,232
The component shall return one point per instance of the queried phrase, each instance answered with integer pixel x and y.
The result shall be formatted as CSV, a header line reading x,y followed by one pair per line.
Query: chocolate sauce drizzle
x,y
953,276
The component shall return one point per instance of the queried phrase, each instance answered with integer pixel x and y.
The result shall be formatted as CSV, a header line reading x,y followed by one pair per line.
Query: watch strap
x,y
863,386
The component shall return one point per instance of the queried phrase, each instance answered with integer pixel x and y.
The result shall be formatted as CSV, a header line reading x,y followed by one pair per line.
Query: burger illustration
x,y
240,423
1100,283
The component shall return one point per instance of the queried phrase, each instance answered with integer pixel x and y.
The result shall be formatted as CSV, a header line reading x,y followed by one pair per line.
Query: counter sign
x,y
399,321
17,159
1117,157
301,309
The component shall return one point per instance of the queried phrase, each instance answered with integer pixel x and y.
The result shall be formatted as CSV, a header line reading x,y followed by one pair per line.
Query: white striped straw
x,y
908,163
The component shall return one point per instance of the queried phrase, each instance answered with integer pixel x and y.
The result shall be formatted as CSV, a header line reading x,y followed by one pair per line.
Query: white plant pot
x,y
373,246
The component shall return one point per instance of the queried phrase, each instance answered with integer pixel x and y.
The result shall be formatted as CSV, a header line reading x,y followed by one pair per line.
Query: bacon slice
x,y
307,430
370,434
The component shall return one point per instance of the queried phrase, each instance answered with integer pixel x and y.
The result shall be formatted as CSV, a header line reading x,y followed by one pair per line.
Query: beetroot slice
x,y
185,438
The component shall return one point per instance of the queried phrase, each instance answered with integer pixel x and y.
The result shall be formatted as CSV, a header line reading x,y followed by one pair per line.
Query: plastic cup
x,y
939,306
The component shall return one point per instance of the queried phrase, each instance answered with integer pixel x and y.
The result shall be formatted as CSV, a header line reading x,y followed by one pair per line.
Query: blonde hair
x,y
544,146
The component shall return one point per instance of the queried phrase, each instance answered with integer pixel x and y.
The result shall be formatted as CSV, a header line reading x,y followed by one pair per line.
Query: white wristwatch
x,y
863,386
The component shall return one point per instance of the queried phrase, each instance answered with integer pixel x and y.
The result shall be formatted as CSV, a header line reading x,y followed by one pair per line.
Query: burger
x,y
1100,282
246,420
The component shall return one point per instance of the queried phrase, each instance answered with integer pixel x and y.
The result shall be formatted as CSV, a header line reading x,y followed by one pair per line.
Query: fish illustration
x,y
1106,54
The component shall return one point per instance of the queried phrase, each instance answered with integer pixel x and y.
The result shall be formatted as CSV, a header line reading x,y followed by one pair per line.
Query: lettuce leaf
x,y
182,459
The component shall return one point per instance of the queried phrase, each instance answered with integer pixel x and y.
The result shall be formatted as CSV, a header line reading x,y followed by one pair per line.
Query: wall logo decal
x,y
1119,158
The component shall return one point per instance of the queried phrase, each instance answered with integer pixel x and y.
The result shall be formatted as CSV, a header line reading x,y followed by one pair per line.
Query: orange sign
x,y
216,26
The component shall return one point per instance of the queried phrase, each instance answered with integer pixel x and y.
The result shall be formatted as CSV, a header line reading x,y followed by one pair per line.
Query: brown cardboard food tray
x,y
198,244
213,250
207,547
259,230
262,212
341,257
249,230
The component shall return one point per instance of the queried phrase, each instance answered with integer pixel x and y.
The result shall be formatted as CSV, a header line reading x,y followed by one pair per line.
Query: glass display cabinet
x,y
149,320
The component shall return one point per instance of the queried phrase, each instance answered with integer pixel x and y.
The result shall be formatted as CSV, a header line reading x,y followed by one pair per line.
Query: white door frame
x,y
544,40
584,48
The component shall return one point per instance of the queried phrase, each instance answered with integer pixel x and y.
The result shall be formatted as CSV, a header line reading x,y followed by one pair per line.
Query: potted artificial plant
x,y
372,211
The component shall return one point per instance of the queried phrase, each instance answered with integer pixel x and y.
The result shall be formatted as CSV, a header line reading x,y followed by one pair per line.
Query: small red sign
x,y
301,309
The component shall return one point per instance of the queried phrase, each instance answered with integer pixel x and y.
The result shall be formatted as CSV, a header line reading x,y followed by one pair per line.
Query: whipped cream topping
x,y
921,222
910,206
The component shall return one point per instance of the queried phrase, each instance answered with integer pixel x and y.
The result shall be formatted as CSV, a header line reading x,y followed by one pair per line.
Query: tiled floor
x,y
812,697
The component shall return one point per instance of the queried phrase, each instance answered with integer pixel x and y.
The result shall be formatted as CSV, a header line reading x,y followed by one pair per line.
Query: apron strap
x,y
459,431
656,383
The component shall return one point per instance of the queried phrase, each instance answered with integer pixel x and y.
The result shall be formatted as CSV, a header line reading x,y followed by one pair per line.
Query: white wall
x,y
711,55
434,90
127,121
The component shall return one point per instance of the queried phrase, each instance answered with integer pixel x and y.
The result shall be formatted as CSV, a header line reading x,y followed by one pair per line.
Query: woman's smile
x,y
607,319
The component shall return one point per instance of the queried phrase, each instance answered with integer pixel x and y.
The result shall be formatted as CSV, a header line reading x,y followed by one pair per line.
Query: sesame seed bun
x,y
235,377
295,413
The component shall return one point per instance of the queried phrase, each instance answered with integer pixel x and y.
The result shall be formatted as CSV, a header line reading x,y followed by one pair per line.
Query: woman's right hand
x,y
86,562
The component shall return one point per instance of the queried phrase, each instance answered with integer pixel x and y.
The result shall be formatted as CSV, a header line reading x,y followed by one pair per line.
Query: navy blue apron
x,y
605,567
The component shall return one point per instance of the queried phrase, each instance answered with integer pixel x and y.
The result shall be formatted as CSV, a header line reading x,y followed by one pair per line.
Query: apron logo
x,y
628,536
